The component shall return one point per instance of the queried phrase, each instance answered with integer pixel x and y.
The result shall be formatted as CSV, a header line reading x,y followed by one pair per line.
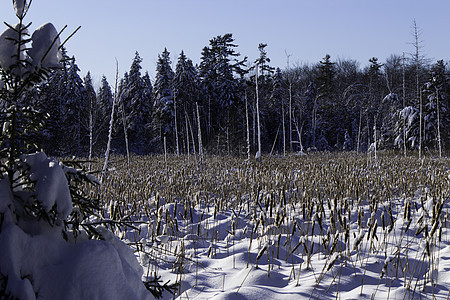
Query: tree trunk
x,y
248,127
404,105
359,131
290,116
284,128
125,132
420,125
258,154
314,122
91,133
200,144
111,124
375,136
188,150
438,124
177,149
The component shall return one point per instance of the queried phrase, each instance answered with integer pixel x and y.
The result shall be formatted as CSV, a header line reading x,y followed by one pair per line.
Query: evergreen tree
x,y
134,110
221,90
185,88
276,120
147,106
378,114
140,101
104,104
326,134
435,108
163,108
75,120
265,74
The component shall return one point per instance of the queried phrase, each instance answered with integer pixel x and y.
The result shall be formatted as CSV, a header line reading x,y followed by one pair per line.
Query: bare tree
x,y
438,123
176,126
248,127
404,103
200,143
111,124
418,61
258,154
290,100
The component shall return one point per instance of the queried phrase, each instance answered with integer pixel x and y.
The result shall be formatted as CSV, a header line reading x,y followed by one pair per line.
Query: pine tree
x,y
75,120
163,108
134,109
140,110
222,96
104,104
147,111
277,117
326,107
185,88
435,109
377,110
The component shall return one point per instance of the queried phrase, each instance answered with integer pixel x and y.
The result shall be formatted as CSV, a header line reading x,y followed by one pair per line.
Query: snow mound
x,y
45,47
8,47
51,183
46,267
41,264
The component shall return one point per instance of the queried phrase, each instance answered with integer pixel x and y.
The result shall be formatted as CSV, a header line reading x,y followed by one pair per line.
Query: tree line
x,y
227,104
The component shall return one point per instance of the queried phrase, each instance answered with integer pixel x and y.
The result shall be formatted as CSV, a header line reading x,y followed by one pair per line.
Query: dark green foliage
x,y
163,107
186,95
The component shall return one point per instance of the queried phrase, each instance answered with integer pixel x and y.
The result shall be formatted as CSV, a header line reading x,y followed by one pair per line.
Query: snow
x,y
8,48
36,262
19,6
87,270
235,256
5,195
44,38
51,183
236,253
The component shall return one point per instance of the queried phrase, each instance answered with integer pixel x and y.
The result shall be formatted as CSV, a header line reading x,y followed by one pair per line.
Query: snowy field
x,y
304,227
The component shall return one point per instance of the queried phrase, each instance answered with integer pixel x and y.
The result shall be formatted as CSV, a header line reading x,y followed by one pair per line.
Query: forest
x,y
219,105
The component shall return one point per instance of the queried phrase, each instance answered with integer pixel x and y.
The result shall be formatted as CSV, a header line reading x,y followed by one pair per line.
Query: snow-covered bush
x,y
44,250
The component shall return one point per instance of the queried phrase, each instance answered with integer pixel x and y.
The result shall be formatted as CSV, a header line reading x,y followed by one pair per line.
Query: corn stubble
x,y
323,215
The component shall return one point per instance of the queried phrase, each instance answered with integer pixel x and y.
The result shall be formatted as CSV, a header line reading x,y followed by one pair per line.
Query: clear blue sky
x,y
305,29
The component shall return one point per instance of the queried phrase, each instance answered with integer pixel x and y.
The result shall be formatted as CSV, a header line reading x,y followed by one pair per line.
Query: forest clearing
x,y
329,225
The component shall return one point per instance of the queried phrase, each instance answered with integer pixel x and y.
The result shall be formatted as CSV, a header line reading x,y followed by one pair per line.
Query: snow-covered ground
x,y
287,228
270,246
288,262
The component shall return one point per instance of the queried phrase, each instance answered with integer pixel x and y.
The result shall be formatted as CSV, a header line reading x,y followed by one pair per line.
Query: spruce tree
x,y
139,102
326,104
222,95
435,108
185,88
163,108
104,104
75,120
277,117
